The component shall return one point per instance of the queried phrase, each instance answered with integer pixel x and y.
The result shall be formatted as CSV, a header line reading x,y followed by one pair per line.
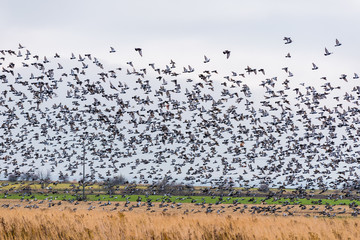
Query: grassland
x,y
54,224
30,210
99,192
186,199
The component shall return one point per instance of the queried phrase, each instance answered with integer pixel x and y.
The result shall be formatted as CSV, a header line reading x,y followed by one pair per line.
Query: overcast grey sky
x,y
186,30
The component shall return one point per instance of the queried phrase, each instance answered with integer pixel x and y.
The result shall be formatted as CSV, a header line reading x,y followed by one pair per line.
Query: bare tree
x,y
119,180
164,185
63,177
44,178
28,176
112,182
13,177
264,187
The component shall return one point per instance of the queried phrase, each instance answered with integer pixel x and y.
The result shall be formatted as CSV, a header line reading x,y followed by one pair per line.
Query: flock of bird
x,y
165,205
154,122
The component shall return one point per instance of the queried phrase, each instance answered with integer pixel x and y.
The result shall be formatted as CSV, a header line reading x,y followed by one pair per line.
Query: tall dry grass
x,y
55,224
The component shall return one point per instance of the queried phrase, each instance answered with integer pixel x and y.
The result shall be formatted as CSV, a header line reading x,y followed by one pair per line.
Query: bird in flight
x,y
206,59
287,40
186,104
227,53
337,43
314,66
327,53
139,50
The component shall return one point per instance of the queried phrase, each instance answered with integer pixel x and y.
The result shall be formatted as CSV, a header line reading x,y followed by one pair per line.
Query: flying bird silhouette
x,y
337,43
139,50
227,53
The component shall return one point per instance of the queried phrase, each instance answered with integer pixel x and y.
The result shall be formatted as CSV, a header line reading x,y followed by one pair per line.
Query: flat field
x,y
62,221
96,192
29,211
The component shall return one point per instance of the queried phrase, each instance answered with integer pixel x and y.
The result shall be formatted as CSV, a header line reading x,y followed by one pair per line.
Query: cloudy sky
x,y
186,30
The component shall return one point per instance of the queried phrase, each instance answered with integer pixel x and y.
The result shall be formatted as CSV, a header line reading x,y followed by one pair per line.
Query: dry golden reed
x,y
54,224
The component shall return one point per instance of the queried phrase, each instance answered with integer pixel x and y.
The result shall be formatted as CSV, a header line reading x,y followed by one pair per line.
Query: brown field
x,y
20,220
